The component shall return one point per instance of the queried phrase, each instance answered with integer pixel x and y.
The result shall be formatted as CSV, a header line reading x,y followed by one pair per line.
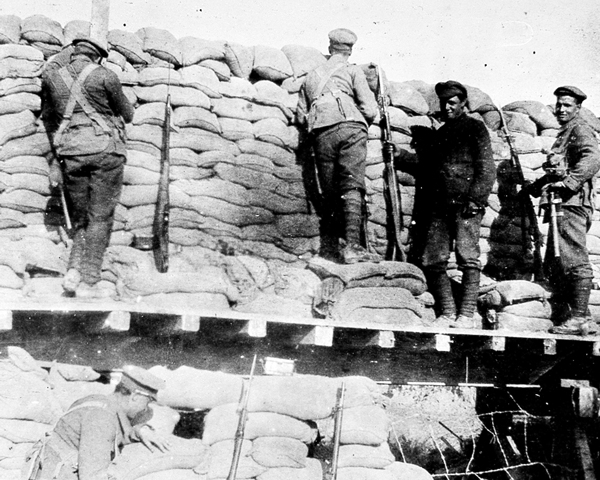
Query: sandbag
x,y
10,29
590,118
76,29
280,156
478,100
245,110
190,302
515,291
508,321
239,59
67,393
176,473
25,396
221,455
236,129
202,78
23,200
405,471
303,59
366,425
19,102
130,45
136,460
365,456
520,122
209,280
152,113
405,96
195,50
312,471
219,67
39,28
164,419
271,304
202,141
276,452
533,308
221,424
271,63
156,75
160,44
191,388
22,431
33,145
9,279
538,112
307,397
180,96
8,86
274,130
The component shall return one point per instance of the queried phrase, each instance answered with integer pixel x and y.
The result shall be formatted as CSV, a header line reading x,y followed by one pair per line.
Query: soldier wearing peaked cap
x,y
87,437
462,176
335,107
570,168
85,111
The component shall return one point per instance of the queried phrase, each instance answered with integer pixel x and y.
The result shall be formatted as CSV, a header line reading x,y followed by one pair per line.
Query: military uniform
x,y
84,110
462,176
336,106
86,439
573,162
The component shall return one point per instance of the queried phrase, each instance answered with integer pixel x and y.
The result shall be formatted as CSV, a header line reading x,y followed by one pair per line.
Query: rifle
x,y
160,229
530,229
393,199
338,411
239,434
554,202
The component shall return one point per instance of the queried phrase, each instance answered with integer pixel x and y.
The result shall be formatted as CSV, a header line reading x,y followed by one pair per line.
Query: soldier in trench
x,y
335,107
573,162
87,437
85,111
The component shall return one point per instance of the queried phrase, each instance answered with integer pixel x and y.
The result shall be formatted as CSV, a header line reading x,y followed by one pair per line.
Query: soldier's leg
x,y
467,256
105,189
573,227
436,253
77,183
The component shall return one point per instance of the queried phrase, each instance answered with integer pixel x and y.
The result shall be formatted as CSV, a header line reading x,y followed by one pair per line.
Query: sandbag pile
x,y
385,293
518,305
286,414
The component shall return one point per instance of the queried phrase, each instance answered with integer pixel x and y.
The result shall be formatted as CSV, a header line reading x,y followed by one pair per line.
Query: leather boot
x,y
468,304
441,289
354,252
579,323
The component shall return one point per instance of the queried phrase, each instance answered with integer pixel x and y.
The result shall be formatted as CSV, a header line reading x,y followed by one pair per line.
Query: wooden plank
x,y
442,342
367,338
111,322
99,20
6,320
318,335
549,346
254,328
586,462
497,344
596,349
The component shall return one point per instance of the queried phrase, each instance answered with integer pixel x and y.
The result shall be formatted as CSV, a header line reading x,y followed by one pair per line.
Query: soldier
x,y
572,163
84,113
462,176
86,438
336,106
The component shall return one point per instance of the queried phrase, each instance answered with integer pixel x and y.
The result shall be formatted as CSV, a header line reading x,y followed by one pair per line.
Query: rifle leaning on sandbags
x,y
160,228
391,189
338,412
239,434
530,229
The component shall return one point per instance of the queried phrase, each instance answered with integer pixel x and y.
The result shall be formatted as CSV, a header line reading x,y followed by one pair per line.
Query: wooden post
x,y
99,22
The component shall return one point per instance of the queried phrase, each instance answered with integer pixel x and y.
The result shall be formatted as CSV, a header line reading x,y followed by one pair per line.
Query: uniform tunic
x,y
93,181
85,439
463,171
577,142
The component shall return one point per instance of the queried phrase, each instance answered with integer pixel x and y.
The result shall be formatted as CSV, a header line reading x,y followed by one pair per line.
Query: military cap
x,y
450,89
94,44
141,381
571,91
342,39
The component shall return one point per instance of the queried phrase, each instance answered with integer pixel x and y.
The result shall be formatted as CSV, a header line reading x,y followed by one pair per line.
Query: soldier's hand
x,y
153,440
55,176
556,187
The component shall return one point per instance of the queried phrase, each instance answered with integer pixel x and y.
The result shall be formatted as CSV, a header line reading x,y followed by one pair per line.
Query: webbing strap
x,y
325,79
77,97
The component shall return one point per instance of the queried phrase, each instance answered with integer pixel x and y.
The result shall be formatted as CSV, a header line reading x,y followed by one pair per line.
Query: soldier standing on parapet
x,y
336,106
570,170
84,111
462,176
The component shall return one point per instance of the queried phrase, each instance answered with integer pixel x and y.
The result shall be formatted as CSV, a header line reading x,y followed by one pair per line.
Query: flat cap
x,y
342,39
571,91
450,89
94,44
141,381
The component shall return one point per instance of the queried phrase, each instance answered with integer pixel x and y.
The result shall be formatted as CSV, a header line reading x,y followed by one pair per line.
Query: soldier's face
x,y
566,109
452,107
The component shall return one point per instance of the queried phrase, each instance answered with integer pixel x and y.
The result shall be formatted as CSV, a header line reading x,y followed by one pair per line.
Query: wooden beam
x,y
318,335
497,344
442,342
6,320
586,461
99,21
117,321
254,328
596,349
549,346
366,338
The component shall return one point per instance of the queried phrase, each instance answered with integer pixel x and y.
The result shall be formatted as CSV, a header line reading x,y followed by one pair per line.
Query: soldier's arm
x,y
364,96
118,100
589,158
484,173
96,444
